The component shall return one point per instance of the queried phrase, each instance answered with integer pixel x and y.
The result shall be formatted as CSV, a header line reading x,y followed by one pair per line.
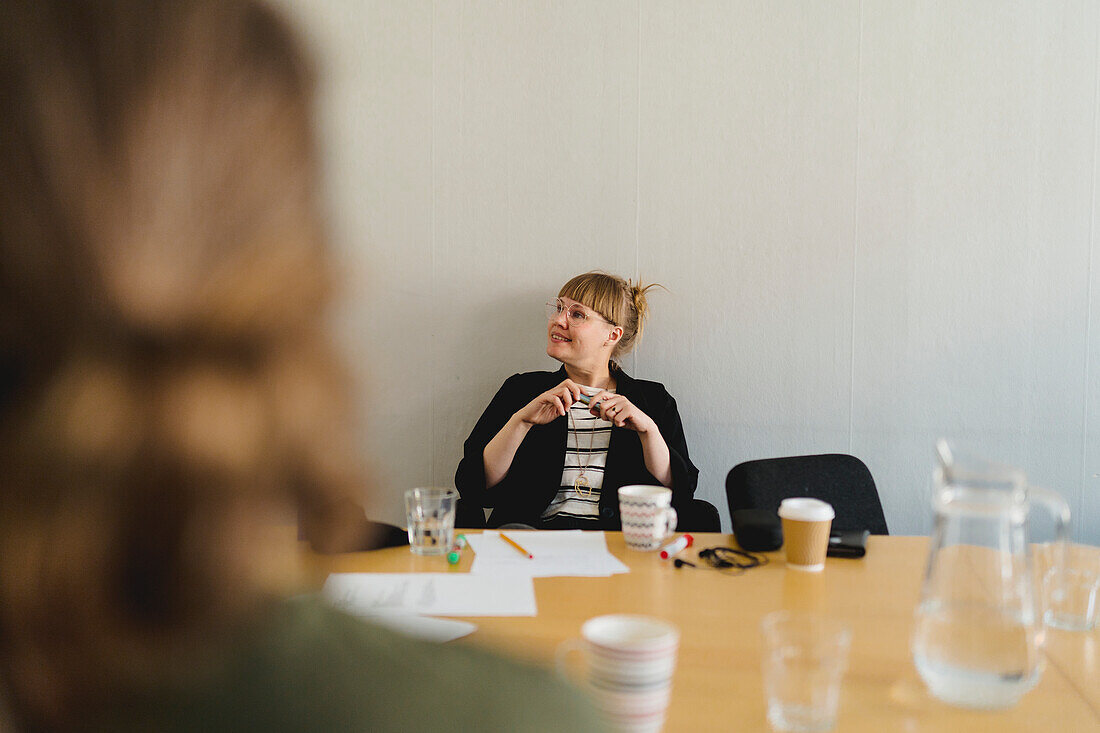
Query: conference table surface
x,y
718,683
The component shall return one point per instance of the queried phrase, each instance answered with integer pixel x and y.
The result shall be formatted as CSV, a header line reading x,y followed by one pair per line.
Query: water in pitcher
x,y
975,655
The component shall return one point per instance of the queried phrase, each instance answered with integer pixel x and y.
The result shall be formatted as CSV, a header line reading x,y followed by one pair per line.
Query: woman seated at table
x,y
552,448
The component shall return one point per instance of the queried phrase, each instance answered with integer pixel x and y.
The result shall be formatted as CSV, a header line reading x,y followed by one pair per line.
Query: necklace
x,y
580,483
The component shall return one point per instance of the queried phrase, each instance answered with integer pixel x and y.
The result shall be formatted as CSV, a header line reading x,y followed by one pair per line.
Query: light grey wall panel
x,y
975,168
376,121
747,150
875,220
535,175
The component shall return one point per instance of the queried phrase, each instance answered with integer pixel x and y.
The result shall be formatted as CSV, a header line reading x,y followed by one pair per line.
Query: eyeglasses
x,y
733,561
574,314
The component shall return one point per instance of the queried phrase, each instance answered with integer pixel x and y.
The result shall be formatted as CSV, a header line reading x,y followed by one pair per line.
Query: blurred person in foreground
x,y
167,393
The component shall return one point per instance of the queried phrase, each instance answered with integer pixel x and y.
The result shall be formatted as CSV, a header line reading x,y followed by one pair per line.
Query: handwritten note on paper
x,y
557,553
430,594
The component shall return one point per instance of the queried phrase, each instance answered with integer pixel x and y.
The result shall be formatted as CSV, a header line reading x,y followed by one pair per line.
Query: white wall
x,y
876,220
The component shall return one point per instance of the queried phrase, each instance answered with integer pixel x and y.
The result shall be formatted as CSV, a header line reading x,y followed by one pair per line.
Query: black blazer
x,y
534,478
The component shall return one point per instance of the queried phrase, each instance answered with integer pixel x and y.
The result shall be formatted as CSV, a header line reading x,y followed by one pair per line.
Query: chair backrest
x,y
699,516
469,515
842,480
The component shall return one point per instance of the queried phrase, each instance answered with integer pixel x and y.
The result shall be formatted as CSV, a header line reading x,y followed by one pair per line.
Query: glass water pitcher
x,y
978,631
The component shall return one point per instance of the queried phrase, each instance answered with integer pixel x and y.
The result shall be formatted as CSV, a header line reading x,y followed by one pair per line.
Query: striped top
x,y
586,442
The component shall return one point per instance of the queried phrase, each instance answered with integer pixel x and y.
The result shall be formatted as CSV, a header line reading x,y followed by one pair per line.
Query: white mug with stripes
x,y
629,661
647,515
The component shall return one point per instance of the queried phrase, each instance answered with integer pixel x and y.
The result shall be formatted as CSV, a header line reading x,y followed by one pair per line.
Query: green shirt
x,y
309,667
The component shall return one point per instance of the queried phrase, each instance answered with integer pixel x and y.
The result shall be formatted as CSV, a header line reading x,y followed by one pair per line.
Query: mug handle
x,y
561,658
671,520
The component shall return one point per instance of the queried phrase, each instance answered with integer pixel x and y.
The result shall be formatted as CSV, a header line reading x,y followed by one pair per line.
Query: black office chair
x,y
469,515
842,480
699,516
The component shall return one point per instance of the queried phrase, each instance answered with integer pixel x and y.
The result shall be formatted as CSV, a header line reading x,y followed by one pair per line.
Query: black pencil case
x,y
757,530
848,542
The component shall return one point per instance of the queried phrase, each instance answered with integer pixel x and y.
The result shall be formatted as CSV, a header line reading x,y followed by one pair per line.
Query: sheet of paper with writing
x,y
430,594
557,553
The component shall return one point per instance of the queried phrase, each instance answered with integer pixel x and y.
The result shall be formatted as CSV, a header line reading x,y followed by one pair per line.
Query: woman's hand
x,y
621,412
551,404
548,406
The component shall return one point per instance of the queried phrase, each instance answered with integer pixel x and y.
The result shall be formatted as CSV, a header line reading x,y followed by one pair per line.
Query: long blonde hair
x,y
165,378
620,301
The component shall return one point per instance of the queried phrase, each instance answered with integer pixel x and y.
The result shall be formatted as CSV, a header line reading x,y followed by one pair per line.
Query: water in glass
x,y
431,536
430,516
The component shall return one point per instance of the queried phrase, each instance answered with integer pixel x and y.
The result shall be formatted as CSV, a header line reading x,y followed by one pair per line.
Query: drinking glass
x,y
805,657
431,519
1071,586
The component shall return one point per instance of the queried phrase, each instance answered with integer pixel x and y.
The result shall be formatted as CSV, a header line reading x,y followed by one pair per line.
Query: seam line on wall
x,y
1088,285
638,158
855,238
431,256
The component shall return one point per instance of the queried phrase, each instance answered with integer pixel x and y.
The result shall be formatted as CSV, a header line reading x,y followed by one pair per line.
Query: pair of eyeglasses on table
x,y
726,559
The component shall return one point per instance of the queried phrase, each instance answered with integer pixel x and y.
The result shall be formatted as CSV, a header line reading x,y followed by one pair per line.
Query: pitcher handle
x,y
1059,510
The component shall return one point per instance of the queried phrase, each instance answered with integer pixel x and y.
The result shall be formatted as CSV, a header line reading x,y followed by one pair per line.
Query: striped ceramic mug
x,y
647,514
629,662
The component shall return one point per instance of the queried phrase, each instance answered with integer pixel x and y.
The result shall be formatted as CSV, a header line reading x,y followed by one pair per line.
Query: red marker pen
x,y
673,547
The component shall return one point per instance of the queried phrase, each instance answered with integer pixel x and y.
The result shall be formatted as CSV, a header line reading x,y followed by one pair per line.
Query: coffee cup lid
x,y
805,509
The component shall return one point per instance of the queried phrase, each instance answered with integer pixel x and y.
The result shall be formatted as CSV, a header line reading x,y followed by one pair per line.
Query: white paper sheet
x,y
557,553
431,594
423,627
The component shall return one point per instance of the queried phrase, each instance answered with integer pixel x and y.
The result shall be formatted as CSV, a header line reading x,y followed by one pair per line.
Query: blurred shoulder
x,y
308,666
415,685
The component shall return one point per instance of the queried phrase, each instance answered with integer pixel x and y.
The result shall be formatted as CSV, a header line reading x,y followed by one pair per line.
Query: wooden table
x,y
718,683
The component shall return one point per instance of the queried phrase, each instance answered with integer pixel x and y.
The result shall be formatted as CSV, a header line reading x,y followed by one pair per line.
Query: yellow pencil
x,y
516,545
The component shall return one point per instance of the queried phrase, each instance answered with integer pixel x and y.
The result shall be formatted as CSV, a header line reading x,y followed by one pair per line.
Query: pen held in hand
x,y
586,399
516,545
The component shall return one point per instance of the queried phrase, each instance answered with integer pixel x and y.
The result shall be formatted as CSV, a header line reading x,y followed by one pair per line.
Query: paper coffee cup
x,y
806,525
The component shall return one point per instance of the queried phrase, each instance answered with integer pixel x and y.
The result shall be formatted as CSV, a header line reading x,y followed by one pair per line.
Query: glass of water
x,y
430,514
805,656
1072,588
